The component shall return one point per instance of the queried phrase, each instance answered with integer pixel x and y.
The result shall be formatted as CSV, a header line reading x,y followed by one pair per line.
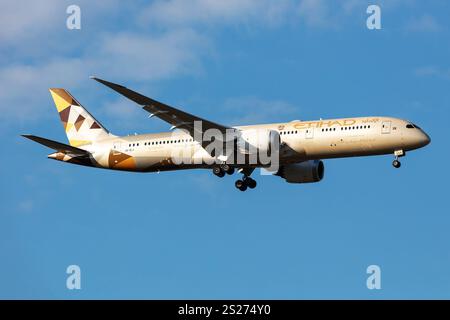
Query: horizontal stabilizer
x,y
58,146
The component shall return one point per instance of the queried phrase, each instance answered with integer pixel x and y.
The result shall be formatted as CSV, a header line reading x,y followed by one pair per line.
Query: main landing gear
x,y
242,184
223,169
396,163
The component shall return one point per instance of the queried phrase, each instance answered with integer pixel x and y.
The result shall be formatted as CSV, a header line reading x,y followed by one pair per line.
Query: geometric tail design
x,y
80,126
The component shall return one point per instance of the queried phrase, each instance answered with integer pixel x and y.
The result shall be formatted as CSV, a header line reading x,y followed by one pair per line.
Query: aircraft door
x,y
386,127
309,133
116,147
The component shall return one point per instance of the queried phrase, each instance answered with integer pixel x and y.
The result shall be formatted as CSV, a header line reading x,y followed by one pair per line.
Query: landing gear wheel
x,y
250,182
240,185
396,164
226,168
218,172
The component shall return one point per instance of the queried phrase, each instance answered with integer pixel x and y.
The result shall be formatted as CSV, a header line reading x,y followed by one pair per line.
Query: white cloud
x,y
125,117
22,20
211,12
424,23
25,87
126,56
432,71
314,12
144,57
42,53
251,110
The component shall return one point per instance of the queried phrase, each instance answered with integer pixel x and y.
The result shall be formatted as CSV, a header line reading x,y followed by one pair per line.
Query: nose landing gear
x,y
396,163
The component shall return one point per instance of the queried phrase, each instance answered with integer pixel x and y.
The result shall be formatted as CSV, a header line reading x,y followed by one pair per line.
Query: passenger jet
x,y
292,150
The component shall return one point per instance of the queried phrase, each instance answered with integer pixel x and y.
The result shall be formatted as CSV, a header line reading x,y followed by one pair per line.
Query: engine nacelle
x,y
263,140
303,172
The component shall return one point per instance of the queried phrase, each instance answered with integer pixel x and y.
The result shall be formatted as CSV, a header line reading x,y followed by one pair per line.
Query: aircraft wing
x,y
177,118
58,146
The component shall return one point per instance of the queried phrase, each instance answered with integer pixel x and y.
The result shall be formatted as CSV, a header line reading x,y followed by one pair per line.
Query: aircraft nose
x,y
424,139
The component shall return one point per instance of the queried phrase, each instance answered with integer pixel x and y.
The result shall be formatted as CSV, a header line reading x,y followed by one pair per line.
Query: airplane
x,y
297,147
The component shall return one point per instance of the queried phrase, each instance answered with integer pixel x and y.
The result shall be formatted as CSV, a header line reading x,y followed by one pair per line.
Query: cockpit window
x,y
410,126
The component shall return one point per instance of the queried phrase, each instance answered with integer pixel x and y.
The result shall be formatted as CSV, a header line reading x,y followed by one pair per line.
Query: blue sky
x,y
193,235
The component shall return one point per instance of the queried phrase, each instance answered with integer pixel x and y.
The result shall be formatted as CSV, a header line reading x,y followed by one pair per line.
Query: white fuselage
x,y
305,140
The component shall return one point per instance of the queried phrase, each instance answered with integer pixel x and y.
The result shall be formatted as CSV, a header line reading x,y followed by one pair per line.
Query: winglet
x,y
112,85
130,94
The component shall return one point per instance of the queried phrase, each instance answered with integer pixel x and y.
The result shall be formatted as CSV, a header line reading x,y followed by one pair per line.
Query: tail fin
x,y
81,127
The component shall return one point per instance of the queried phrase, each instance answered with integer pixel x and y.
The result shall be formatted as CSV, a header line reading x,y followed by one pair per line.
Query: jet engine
x,y
252,141
303,172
